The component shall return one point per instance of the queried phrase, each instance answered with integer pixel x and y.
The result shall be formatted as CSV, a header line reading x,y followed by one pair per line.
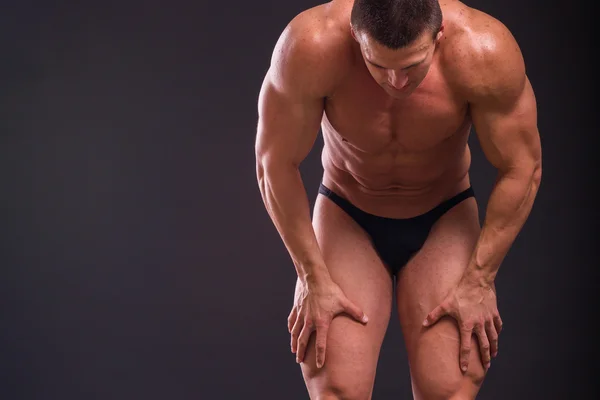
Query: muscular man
x,y
396,86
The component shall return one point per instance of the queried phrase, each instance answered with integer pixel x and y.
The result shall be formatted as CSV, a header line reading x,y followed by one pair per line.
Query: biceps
x,y
288,125
509,136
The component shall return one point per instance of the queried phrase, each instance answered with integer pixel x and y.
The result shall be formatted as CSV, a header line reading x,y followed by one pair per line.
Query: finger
x,y
465,347
298,325
484,345
498,323
354,311
435,315
321,344
303,341
291,319
492,335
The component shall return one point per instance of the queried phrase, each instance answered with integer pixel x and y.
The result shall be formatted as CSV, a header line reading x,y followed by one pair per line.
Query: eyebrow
x,y
407,67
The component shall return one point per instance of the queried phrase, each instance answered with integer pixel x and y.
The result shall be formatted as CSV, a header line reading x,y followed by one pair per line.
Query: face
x,y
398,71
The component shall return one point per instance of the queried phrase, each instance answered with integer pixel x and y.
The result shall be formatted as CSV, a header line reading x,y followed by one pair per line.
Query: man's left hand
x,y
473,305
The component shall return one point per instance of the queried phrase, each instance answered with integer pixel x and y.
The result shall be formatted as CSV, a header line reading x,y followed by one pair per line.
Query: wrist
x,y
478,277
315,274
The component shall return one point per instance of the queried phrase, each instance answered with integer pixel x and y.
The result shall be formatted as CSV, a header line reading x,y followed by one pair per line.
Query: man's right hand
x,y
315,306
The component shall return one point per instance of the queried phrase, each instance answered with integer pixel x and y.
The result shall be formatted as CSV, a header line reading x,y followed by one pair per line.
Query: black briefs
x,y
396,240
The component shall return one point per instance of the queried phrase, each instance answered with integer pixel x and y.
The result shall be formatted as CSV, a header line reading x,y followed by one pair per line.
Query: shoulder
x,y
482,58
313,51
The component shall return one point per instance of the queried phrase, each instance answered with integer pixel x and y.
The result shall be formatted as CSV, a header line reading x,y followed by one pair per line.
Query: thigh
x,y
422,284
352,348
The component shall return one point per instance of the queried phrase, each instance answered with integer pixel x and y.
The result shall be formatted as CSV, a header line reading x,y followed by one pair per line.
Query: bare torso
x,y
390,157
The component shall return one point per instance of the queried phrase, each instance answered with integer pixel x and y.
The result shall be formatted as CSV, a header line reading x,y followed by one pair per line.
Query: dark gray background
x,y
139,262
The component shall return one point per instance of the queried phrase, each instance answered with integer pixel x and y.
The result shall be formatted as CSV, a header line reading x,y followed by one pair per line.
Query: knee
x,y
338,389
342,394
451,385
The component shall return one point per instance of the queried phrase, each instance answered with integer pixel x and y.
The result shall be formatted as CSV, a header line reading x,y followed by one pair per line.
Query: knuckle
x,y
321,322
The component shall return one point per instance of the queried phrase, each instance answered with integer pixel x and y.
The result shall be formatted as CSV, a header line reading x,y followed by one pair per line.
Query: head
x,y
397,40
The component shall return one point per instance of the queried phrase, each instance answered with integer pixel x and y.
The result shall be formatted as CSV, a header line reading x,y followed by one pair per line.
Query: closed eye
x,y
412,65
403,69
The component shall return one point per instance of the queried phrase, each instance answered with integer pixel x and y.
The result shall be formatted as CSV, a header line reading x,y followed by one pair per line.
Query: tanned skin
x,y
395,125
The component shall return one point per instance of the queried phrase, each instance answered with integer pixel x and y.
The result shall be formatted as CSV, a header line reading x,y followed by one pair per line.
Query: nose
x,y
397,79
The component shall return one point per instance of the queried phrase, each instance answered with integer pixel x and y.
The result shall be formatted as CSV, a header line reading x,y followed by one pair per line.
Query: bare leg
x,y
352,348
422,284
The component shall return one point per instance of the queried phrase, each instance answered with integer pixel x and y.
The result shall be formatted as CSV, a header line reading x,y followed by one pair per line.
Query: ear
x,y
440,32
353,32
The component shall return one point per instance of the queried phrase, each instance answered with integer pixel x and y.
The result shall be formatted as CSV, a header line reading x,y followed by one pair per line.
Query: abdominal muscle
x,y
394,182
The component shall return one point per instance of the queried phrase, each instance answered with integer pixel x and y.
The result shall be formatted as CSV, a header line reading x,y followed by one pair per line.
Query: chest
x,y
362,115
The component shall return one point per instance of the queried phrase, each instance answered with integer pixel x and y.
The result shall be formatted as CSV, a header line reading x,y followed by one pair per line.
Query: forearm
x,y
285,199
507,210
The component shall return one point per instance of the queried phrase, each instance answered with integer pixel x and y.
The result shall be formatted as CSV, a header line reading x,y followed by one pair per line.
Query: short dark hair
x,y
396,23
